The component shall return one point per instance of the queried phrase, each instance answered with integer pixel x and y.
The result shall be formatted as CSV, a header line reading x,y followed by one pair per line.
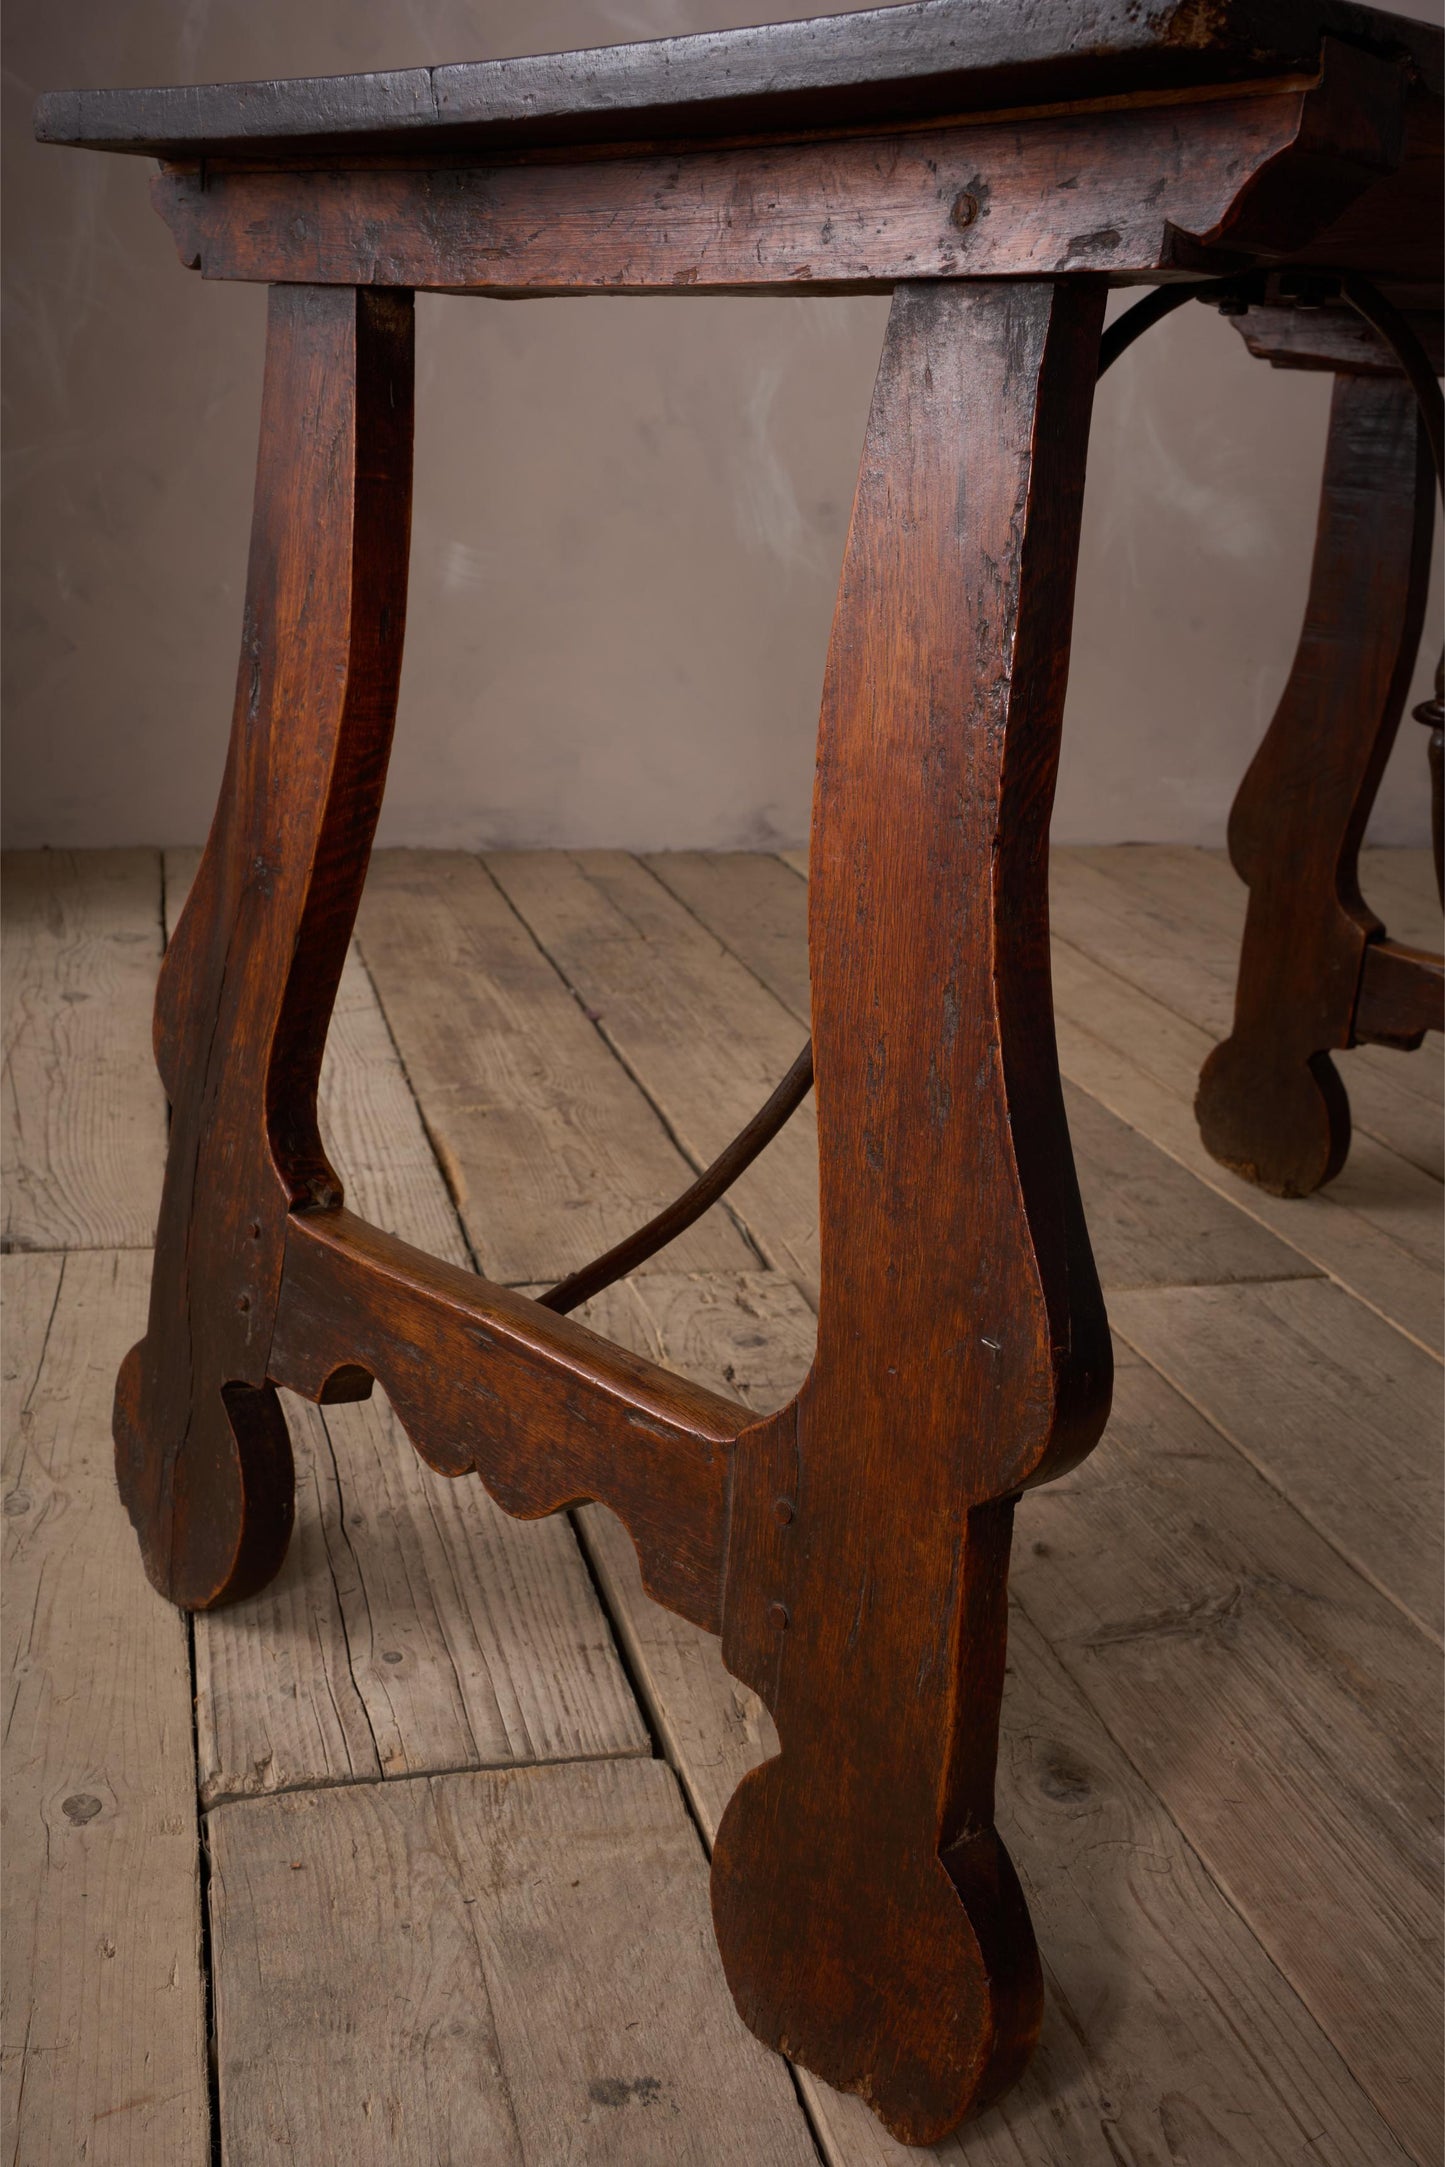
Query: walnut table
x,y
996,167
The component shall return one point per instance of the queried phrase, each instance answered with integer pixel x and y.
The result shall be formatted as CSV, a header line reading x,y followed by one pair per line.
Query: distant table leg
x,y
1271,1104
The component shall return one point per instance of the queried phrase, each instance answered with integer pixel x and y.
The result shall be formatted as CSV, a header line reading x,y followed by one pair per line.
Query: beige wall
x,y
629,513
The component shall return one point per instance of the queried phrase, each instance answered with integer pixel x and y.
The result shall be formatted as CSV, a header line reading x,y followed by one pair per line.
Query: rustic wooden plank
x,y
706,1042
413,1627
507,1968
551,1151
84,1126
1285,1712
751,901
1106,189
1339,1412
104,2020
1151,1223
1168,2032
954,57
1147,2051
1141,1061
1177,921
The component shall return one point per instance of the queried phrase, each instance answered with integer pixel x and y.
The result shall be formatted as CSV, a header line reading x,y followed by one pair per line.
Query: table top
x,y
888,65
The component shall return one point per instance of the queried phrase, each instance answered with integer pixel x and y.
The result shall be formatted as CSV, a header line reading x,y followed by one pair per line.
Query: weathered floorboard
x,y
550,1150
704,1040
104,2022
500,1968
84,1128
1336,1410
413,1628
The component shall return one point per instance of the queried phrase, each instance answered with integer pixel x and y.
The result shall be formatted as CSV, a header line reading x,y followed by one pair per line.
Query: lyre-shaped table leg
x,y
246,992
1270,1103
869,1918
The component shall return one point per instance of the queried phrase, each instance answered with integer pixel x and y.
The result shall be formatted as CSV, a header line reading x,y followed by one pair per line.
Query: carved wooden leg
x,y
202,1455
869,1918
1270,1103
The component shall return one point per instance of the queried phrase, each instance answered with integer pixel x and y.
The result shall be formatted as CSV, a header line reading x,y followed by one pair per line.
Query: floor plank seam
x,y
1295,1504
623,1653
421,1775
336,1586
433,1144
726,945
10,1247
688,1158
207,1953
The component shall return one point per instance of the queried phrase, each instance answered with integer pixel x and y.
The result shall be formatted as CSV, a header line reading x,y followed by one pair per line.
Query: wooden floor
x,y
405,1862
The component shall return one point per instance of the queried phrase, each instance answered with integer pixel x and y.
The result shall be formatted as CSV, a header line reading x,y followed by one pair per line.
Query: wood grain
x,y
1335,1408
414,1628
551,1151
84,1124
508,1968
1147,1959
1287,1717
1107,190
954,56
1171,923
104,2022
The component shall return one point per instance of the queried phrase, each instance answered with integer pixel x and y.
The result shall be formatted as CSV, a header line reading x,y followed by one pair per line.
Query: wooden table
x,y
996,168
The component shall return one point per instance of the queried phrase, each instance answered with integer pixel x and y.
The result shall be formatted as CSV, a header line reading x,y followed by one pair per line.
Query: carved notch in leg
x,y
869,1918
202,1456
1271,1104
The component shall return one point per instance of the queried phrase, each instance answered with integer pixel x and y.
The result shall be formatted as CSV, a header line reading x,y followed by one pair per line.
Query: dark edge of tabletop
x,y
905,63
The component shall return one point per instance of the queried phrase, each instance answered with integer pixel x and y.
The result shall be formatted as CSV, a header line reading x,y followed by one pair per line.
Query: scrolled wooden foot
x,y
1283,1124
871,1929
212,1503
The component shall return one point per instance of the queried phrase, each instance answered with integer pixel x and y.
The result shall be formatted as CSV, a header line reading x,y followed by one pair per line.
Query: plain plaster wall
x,y
629,513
